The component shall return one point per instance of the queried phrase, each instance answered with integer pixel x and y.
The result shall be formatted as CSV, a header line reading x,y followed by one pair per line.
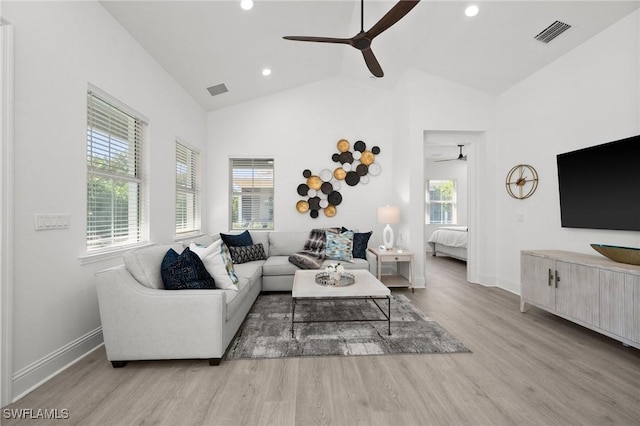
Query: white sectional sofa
x,y
143,321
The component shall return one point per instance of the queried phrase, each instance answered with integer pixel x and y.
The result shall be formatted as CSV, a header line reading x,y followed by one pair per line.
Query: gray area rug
x,y
266,332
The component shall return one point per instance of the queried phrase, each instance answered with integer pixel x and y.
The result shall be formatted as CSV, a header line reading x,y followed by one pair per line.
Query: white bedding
x,y
452,236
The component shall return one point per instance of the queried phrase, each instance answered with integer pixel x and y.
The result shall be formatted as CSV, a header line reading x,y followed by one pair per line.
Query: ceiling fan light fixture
x,y
266,72
471,10
246,4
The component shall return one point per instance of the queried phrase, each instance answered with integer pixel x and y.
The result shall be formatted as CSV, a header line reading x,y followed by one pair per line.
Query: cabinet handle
x,y
557,279
550,277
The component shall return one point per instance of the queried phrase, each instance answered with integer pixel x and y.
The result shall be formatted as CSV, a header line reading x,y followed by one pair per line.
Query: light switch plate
x,y
51,221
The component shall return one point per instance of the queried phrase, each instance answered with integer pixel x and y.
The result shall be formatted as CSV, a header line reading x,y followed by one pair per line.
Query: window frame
x,y
429,202
193,188
111,121
253,164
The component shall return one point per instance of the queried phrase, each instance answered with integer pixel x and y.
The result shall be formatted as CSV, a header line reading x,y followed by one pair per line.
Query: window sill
x,y
108,254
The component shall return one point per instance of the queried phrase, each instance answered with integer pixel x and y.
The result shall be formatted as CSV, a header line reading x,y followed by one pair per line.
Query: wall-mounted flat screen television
x,y
600,186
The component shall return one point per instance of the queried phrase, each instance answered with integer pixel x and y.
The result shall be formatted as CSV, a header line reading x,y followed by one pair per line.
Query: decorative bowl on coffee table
x,y
325,278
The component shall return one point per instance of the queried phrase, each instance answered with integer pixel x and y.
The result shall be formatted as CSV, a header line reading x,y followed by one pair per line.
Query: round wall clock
x,y
522,181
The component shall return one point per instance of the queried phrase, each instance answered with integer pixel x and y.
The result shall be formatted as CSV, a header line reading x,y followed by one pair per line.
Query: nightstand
x,y
392,255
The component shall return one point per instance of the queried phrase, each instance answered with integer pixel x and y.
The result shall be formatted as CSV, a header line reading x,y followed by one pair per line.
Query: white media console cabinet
x,y
589,290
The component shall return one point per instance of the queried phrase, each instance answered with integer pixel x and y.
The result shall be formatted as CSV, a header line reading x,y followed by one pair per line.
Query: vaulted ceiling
x,y
206,43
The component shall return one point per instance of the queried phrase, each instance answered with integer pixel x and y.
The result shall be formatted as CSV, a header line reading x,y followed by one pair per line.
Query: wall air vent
x,y
217,89
552,31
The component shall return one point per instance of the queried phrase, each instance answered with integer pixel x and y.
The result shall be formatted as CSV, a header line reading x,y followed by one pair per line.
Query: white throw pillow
x,y
215,263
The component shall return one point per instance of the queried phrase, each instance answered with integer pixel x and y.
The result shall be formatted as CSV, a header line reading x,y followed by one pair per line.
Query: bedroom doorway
x,y
449,167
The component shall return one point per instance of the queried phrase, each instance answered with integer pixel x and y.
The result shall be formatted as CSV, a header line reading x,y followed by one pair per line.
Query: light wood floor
x,y
525,369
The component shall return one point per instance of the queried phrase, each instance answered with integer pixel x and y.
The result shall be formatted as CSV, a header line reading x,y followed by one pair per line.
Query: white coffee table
x,y
366,287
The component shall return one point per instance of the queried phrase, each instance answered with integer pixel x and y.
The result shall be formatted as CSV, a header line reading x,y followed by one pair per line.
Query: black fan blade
x,y
396,13
372,63
319,39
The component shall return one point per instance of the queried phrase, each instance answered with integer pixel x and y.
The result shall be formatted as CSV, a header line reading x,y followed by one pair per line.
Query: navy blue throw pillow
x,y
184,271
243,239
360,243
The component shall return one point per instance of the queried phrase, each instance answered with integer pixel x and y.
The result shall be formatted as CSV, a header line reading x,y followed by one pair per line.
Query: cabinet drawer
x,y
396,258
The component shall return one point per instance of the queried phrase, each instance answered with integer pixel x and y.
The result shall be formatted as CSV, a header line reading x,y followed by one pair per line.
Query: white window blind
x,y
187,189
251,193
115,179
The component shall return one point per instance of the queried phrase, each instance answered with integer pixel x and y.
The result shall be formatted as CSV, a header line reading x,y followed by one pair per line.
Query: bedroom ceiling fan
x,y
460,157
362,40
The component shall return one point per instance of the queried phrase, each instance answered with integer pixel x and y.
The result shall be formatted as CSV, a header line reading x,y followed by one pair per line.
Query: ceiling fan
x,y
460,157
362,40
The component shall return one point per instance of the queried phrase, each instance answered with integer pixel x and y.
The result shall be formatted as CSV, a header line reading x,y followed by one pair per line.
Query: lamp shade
x,y
388,214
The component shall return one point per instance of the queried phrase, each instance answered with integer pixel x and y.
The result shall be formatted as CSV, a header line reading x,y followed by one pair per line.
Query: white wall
x,y
587,97
60,48
300,129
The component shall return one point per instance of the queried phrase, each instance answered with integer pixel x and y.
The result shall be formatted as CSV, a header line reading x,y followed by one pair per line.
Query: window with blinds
x,y
187,189
115,184
251,193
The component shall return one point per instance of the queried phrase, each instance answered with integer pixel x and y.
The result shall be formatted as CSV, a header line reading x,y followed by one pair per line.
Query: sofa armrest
x,y
144,323
373,263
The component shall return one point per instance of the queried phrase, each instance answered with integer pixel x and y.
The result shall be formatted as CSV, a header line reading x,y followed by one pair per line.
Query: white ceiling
x,y
205,43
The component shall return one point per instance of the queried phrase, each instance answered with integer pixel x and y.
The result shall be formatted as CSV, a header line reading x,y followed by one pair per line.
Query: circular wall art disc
x,y
352,178
343,145
367,158
359,146
314,203
314,213
302,206
335,198
364,180
323,204
303,189
362,169
335,157
306,173
330,211
346,157
374,169
336,185
327,188
375,150
314,182
346,167
339,173
312,193
325,175
357,155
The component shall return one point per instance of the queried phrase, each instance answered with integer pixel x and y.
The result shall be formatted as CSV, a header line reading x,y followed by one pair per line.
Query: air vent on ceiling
x,y
552,31
217,89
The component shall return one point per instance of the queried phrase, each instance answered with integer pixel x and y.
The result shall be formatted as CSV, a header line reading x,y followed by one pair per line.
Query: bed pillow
x,y
339,246
243,254
218,263
360,243
184,271
237,240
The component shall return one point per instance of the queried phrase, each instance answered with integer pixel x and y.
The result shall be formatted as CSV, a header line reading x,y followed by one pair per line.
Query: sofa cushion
x,y
360,243
144,263
249,270
278,265
339,246
218,263
286,243
243,254
184,271
241,239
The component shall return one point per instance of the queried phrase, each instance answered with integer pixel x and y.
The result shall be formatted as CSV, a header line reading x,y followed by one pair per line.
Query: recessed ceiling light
x,y
266,72
246,4
471,10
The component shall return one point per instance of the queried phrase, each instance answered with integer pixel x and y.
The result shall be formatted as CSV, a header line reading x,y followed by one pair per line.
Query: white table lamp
x,y
388,215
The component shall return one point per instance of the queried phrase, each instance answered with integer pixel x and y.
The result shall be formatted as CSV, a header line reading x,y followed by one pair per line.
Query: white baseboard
x,y
39,372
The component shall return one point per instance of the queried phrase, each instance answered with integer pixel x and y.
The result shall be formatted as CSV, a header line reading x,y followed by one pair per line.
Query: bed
x,y
450,241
